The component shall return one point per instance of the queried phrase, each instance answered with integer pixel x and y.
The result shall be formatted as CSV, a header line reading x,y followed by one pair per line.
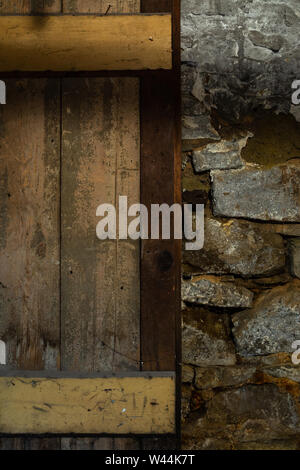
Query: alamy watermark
x,y
163,222
2,92
296,93
296,354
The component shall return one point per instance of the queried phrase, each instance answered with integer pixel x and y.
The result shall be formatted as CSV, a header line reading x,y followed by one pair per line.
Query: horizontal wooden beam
x,y
136,404
85,43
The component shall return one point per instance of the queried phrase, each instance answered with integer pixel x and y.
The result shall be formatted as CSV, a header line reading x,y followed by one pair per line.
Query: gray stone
x,y
245,52
212,292
294,249
265,194
197,128
238,247
206,340
260,54
240,58
220,155
187,374
284,372
272,325
214,377
268,361
246,414
274,42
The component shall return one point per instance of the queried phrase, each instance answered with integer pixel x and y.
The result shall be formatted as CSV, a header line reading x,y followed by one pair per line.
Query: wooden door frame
x,y
160,117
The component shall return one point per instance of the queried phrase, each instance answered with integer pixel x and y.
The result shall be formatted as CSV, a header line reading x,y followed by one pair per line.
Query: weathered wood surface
x,y
29,253
29,226
85,43
125,361
10,7
40,129
116,405
120,351
101,6
161,259
100,279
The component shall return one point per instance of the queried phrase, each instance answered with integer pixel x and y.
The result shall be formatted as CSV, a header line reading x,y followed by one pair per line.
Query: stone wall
x,y
241,292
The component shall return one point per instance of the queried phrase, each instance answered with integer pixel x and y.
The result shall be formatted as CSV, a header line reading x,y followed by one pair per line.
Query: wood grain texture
x,y
161,259
160,150
100,279
29,6
101,6
29,224
157,6
118,6
29,254
115,405
46,120
85,43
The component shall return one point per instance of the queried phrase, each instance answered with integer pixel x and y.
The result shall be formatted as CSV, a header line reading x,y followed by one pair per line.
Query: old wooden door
x,y
69,301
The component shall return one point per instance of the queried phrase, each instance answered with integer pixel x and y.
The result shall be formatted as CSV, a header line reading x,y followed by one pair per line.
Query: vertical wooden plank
x,y
29,6
101,6
100,287
161,259
115,343
156,6
99,279
29,152
29,224
29,257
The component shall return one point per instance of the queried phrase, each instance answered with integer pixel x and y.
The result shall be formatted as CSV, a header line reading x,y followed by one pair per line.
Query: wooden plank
x,y
101,6
29,254
28,6
45,119
89,43
161,259
29,224
121,359
100,279
109,405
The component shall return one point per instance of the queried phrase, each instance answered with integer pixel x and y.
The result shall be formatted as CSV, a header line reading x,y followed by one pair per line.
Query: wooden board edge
x,y
147,271
6,371
61,43
137,405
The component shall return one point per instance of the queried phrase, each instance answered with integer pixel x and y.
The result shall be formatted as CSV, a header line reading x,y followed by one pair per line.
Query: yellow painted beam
x,y
85,43
111,405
